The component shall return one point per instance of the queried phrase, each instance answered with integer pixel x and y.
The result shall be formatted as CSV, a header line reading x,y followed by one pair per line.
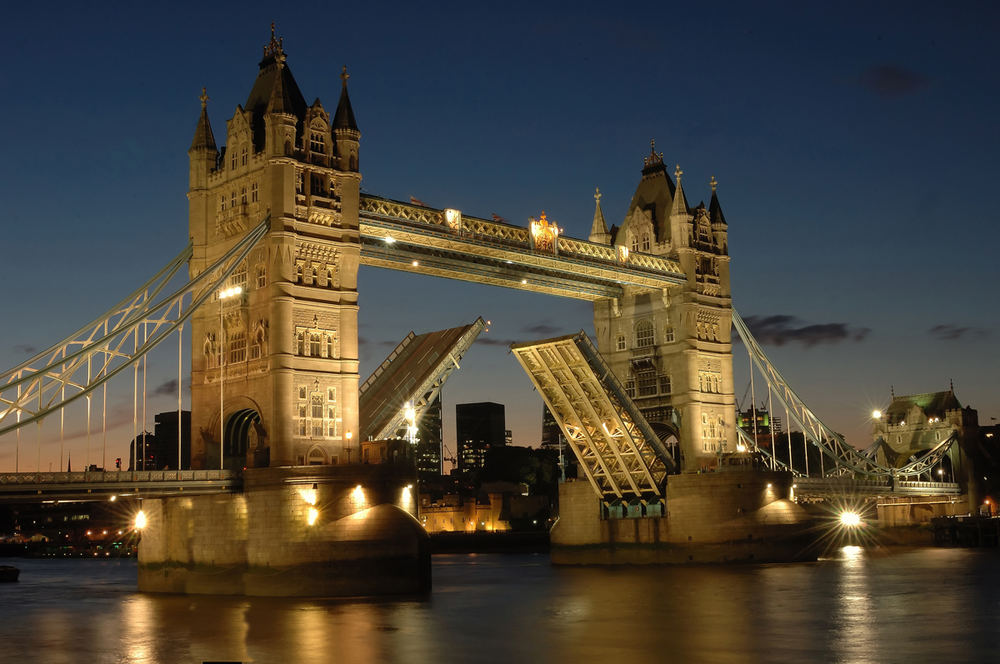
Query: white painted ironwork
x,y
617,449
89,358
847,460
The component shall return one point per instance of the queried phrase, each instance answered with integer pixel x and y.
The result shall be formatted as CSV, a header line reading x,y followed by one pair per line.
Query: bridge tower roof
x,y
274,83
655,192
203,139
343,118
714,208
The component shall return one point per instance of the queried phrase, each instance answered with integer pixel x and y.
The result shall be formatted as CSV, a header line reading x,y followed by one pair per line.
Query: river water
x,y
920,605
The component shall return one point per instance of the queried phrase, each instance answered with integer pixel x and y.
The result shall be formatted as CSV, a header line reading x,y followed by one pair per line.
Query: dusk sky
x,y
854,144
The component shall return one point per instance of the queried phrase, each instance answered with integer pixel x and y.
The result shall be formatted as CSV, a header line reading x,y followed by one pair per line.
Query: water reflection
x,y
854,637
855,607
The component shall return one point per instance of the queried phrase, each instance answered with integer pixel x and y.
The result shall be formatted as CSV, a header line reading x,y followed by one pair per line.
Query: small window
x,y
261,276
620,342
314,345
317,407
243,196
664,384
302,395
253,192
329,348
668,334
316,143
222,202
645,242
238,347
243,158
331,395
232,198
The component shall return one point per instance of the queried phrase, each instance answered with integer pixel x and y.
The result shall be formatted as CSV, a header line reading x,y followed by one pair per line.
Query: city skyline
x,y
839,174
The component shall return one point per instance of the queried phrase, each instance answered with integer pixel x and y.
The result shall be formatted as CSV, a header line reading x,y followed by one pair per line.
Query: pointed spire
x,y
679,206
203,137
714,208
280,101
599,229
344,117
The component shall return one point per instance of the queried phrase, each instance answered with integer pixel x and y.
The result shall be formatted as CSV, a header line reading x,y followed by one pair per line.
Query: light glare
x,y
850,519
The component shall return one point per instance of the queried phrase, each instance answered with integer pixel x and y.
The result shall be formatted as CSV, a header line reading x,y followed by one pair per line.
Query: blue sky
x,y
854,144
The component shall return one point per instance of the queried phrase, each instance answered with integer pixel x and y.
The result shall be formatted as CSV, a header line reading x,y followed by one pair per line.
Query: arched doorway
x,y
240,436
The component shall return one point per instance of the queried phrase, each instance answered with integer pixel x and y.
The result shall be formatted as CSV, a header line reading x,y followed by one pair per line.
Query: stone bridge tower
x,y
276,367
673,351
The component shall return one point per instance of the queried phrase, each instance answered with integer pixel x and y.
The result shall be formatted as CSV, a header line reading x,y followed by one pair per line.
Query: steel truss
x,y
615,445
847,460
390,417
113,342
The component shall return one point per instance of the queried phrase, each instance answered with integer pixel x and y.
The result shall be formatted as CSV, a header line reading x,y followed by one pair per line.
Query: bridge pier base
x,y
722,517
307,531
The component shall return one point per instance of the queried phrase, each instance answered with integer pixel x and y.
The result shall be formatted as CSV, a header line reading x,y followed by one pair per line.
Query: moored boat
x,y
8,573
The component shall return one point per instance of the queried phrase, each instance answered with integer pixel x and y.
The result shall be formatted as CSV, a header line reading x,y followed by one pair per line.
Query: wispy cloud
x,y
890,81
781,329
493,341
950,332
27,349
541,329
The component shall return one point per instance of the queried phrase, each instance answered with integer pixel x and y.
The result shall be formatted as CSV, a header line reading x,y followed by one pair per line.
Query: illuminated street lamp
x,y
410,415
224,294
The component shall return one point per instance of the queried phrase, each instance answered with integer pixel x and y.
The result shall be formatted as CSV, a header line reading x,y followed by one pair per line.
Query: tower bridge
x,y
278,228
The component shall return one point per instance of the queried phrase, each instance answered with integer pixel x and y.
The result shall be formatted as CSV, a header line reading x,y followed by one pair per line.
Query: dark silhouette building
x,y
161,446
478,428
428,452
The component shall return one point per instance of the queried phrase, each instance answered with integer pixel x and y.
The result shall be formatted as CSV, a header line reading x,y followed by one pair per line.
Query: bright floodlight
x,y
876,414
312,515
230,292
140,520
850,519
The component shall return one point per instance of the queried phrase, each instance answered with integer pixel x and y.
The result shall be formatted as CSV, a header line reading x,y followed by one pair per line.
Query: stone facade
x,y
673,351
285,348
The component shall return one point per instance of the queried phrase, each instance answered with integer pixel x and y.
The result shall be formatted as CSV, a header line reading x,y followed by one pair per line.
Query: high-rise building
x,y
550,430
428,452
478,427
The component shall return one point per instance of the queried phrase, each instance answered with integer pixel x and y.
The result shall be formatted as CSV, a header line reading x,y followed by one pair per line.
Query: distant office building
x,y
478,427
508,437
160,449
428,452
550,430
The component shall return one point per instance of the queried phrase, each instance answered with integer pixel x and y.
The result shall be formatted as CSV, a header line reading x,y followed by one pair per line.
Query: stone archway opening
x,y
240,437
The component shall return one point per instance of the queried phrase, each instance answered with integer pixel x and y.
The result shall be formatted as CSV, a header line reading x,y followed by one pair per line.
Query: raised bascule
x,y
285,504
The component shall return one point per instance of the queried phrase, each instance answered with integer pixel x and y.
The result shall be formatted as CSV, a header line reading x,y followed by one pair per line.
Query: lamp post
x,y
348,436
224,294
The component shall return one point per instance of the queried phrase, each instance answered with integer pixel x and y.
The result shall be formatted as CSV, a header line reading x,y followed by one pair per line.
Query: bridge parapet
x,y
100,485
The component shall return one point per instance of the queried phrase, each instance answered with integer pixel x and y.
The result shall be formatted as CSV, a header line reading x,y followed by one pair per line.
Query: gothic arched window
x,y
643,334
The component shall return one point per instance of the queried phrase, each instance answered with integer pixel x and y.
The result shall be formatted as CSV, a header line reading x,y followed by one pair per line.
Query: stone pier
x,y
710,518
319,531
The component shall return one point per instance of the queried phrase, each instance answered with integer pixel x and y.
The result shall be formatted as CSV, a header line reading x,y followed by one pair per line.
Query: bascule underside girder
x,y
413,372
615,446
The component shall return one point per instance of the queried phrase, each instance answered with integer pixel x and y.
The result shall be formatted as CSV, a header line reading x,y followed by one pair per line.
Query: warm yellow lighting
x,y
768,485
308,495
389,239
410,413
312,515
227,293
850,519
349,435
140,520
524,281
453,218
113,498
358,494
740,447
416,263
876,414
622,253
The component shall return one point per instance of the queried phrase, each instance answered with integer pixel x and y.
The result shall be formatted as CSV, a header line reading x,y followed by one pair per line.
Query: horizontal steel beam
x,y
94,486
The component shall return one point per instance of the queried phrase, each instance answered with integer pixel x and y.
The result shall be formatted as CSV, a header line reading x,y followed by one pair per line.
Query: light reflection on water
x,y
854,607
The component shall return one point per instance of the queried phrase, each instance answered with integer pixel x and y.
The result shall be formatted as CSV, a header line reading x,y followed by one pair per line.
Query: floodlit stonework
x,y
673,350
285,347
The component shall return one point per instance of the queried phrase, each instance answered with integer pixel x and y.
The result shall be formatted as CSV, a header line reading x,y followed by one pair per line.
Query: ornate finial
x,y
597,195
678,173
275,46
653,159
204,98
714,183
344,75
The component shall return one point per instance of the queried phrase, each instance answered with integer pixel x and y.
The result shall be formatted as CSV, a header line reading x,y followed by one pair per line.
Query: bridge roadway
x,y
101,485
446,243
820,488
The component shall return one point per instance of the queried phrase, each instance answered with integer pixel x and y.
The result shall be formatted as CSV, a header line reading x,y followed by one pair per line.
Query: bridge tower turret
x,y
673,351
274,377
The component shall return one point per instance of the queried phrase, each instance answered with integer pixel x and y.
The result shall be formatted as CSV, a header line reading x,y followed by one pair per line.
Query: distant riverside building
x,y
508,437
550,430
428,452
478,427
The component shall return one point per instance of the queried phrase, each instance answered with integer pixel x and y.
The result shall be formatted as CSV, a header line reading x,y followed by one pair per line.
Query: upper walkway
x,y
446,243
